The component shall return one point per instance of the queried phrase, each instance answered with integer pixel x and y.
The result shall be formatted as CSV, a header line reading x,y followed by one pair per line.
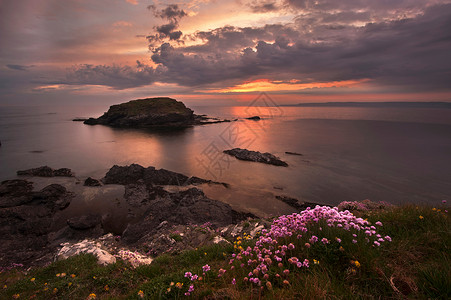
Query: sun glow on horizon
x,y
267,85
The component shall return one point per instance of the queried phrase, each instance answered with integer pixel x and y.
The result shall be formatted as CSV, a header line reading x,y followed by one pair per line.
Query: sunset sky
x,y
224,52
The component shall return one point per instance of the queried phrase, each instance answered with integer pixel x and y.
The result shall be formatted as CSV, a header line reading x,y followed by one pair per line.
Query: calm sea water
x,y
397,155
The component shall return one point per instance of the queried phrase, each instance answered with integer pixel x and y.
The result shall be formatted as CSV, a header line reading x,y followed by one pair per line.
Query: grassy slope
x,y
415,264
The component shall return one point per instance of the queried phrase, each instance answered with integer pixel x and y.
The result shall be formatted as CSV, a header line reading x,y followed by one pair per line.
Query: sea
x,y
399,154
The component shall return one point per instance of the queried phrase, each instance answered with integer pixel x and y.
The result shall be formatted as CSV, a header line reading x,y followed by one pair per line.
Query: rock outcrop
x,y
266,158
46,171
150,112
26,219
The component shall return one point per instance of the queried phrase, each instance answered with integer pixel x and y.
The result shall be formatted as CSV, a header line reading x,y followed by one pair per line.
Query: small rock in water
x,y
293,153
254,118
266,158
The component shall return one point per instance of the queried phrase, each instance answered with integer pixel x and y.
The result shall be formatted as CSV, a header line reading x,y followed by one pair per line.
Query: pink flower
x,y
233,281
387,238
205,268
378,223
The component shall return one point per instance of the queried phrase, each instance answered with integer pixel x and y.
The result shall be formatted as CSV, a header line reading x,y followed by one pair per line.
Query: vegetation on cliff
x,y
394,252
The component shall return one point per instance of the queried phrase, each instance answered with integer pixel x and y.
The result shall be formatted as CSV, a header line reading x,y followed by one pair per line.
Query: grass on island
x,y
340,265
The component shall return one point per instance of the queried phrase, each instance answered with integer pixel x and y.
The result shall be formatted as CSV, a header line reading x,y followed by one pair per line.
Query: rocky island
x,y
160,112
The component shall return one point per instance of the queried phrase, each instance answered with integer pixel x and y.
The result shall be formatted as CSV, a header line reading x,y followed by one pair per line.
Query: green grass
x,y
416,264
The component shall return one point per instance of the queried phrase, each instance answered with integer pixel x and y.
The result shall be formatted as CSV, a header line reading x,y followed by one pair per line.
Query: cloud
x,y
134,2
18,67
173,14
319,46
263,7
115,76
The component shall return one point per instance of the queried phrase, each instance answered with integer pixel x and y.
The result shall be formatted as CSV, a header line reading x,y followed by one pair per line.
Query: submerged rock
x,y
254,118
266,158
84,222
149,112
46,171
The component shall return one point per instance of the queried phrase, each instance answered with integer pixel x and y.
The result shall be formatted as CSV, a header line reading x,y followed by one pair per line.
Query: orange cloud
x,y
266,85
134,2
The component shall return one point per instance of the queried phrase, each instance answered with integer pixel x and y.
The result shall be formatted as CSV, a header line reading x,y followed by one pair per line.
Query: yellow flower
x,y
63,274
106,287
69,284
353,271
58,275
16,296
168,290
72,275
421,217
92,296
316,262
141,294
439,210
55,290
5,286
434,208
32,279
357,264
205,253
93,277
341,249
179,285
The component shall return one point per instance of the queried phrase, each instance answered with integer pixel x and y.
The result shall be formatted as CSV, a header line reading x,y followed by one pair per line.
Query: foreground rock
x,y
136,174
266,158
46,171
26,222
30,234
186,207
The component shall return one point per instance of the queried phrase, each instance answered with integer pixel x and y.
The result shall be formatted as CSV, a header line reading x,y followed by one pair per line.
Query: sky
x,y
224,52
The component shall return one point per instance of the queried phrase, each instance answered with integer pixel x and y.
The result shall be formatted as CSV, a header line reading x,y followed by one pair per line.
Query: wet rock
x,y
46,171
266,158
80,119
15,192
92,182
254,118
84,222
26,224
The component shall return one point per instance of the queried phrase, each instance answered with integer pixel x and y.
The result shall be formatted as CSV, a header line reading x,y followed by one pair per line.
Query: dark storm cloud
x,y
118,77
173,13
18,67
407,54
263,7
412,53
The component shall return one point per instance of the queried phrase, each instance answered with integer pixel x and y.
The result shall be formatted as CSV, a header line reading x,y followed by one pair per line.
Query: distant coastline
x,y
376,104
